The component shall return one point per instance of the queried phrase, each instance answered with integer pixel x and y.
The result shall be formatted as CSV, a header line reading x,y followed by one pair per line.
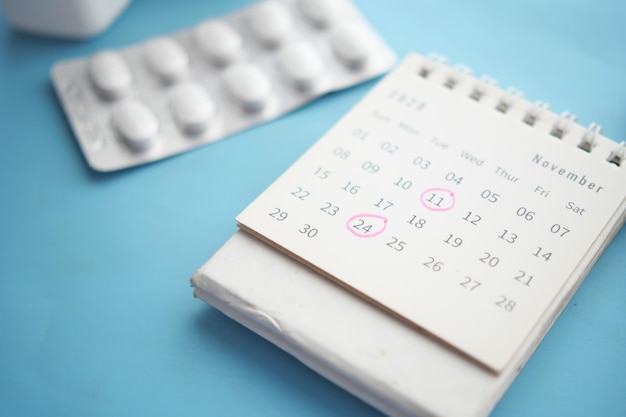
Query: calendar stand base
x,y
366,351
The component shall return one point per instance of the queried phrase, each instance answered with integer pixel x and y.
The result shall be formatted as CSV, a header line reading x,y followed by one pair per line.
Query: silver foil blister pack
x,y
173,93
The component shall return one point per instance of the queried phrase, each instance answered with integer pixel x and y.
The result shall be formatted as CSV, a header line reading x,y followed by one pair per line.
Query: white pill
x,y
351,44
270,23
321,13
166,58
109,74
218,40
302,65
248,85
191,107
136,124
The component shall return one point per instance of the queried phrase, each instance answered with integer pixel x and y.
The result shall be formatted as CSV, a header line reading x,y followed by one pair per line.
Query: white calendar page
x,y
458,217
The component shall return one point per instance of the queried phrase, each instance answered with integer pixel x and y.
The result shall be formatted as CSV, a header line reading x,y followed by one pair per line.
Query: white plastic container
x,y
75,19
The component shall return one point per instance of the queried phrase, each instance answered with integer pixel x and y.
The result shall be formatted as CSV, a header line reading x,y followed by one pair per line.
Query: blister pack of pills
x,y
172,93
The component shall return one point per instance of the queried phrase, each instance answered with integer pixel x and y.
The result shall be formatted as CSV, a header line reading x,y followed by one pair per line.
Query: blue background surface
x,y
96,313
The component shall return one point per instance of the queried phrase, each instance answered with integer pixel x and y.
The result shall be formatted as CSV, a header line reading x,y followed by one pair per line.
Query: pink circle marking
x,y
358,233
433,207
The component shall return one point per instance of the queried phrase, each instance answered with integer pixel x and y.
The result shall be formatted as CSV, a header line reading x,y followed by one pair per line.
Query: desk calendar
x,y
454,205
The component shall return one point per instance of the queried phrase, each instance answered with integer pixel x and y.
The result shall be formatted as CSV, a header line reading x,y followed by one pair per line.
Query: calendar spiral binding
x,y
563,125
